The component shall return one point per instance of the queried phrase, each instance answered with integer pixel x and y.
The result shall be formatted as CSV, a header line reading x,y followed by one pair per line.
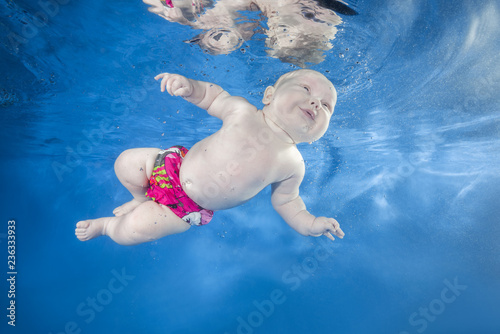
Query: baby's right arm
x,y
205,95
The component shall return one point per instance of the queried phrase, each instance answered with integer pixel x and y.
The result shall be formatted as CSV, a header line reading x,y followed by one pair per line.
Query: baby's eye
x,y
306,88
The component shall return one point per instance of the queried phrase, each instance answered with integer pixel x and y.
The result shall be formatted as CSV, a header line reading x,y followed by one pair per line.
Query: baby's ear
x,y
268,95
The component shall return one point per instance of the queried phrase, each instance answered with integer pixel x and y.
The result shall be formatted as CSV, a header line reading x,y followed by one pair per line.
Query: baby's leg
x,y
133,168
147,222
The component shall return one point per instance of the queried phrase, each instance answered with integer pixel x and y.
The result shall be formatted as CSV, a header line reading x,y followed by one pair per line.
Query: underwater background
x,y
409,167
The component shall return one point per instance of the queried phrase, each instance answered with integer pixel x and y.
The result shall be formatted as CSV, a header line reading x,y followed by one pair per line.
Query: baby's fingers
x,y
161,75
158,76
179,86
339,233
335,228
164,77
183,91
329,236
176,87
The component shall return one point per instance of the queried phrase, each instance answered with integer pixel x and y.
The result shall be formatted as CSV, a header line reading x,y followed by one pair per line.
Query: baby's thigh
x,y
135,160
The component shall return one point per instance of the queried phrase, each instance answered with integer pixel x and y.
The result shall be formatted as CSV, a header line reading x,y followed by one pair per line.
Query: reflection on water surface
x,y
296,31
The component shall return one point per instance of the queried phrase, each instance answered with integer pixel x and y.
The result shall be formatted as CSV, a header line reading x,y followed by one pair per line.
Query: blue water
x,y
409,167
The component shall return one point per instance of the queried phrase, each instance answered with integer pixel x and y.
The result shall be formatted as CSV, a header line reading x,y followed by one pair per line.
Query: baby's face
x,y
303,103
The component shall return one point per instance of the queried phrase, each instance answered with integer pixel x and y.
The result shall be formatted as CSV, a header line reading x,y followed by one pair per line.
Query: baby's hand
x,y
175,84
326,226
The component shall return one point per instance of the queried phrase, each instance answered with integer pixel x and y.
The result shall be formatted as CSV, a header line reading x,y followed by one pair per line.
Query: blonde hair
x,y
293,73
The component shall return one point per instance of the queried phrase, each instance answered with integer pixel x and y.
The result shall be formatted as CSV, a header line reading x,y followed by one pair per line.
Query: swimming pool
x,y
409,167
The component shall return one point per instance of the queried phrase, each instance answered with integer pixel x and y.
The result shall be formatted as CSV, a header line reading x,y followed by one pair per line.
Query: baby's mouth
x,y
310,114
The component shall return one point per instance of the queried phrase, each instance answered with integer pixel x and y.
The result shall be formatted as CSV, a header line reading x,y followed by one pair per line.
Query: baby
x,y
174,189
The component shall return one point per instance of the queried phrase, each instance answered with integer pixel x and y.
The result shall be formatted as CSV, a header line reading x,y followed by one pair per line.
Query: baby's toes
x,y
81,229
82,225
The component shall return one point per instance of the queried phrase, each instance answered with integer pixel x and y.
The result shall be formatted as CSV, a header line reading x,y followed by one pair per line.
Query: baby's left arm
x,y
287,202
209,96
199,93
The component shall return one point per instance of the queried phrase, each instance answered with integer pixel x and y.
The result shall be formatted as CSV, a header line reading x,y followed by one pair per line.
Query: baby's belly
x,y
216,182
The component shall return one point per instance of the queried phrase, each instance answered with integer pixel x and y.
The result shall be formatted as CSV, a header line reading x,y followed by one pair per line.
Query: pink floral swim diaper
x,y
165,188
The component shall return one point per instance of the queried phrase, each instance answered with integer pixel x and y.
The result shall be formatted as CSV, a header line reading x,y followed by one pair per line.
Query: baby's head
x,y
301,103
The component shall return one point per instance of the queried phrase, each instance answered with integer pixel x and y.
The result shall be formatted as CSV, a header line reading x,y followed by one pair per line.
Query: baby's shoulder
x,y
233,103
297,160
291,161
234,107
227,105
241,106
240,110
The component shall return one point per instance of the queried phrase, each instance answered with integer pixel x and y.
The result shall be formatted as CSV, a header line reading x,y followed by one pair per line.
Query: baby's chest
x,y
252,148
255,164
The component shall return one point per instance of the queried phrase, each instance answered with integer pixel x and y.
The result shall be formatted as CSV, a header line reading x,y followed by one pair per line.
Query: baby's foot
x,y
90,229
126,208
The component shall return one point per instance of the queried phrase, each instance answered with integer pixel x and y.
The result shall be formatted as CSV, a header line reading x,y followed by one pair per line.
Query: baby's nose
x,y
315,103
